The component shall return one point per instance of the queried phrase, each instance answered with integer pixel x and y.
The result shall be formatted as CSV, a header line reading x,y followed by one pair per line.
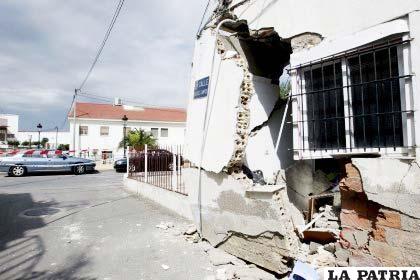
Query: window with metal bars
x,y
353,101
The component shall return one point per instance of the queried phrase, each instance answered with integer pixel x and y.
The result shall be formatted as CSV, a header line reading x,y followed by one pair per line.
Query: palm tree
x,y
137,138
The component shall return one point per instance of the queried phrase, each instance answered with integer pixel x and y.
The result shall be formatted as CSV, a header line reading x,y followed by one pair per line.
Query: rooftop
x,y
112,112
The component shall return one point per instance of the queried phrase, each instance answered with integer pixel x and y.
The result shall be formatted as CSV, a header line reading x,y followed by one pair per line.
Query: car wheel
x,y
79,169
17,171
132,168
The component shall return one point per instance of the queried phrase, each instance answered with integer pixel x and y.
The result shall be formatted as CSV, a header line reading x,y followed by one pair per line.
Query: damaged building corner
x,y
341,188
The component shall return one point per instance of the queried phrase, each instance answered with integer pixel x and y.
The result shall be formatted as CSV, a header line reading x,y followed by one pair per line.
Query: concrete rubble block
x,y
269,250
313,247
361,237
362,260
165,225
342,254
220,257
322,258
330,247
388,255
190,230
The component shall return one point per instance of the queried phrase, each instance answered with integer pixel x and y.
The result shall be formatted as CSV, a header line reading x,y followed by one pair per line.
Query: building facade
x,y
9,125
346,137
99,127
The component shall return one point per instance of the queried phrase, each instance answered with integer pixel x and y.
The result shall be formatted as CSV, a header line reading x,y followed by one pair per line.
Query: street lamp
x,y
125,119
39,126
56,137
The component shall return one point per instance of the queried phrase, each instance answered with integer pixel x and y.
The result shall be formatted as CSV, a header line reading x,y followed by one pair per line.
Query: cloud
x,y
47,47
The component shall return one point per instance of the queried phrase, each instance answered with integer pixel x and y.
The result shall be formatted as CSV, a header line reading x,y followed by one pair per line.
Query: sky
x,y
47,46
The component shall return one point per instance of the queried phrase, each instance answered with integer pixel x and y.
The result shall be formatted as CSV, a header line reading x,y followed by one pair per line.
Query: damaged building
x,y
327,173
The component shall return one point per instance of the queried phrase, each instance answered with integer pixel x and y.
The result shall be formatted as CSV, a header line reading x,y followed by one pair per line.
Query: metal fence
x,y
159,166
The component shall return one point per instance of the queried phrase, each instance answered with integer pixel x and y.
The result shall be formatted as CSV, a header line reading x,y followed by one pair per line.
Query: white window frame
x,y
80,130
300,121
167,132
104,134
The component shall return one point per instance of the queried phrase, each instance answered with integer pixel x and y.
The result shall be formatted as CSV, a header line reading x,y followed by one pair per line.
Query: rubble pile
x,y
328,219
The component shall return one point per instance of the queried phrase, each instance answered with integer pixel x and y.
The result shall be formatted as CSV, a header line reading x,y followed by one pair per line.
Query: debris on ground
x,y
165,225
165,267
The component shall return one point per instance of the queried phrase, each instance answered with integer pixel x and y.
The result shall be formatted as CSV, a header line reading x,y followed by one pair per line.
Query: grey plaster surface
x,y
100,232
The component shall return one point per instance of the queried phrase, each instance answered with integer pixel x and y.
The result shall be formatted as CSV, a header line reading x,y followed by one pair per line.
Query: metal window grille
x,y
161,167
352,100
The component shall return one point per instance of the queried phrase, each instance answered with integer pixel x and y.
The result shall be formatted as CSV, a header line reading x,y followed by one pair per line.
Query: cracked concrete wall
x,y
394,183
238,104
227,215
323,17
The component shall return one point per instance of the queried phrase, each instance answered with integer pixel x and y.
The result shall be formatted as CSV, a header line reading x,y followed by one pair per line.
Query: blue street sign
x,y
201,88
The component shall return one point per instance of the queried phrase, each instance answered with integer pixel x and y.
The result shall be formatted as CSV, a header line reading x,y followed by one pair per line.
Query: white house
x,y
99,127
8,128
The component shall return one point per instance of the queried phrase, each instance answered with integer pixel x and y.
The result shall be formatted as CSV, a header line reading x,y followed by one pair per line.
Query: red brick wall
x,y
372,233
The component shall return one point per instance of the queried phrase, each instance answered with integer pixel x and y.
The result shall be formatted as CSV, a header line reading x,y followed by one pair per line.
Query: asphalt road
x,y
93,230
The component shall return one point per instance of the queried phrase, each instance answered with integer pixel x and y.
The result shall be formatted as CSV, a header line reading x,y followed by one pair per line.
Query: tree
x,y
44,142
285,88
13,143
137,138
25,143
63,147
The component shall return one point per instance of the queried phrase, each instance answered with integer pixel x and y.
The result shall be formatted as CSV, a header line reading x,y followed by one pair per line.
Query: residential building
x,y
9,125
346,138
99,127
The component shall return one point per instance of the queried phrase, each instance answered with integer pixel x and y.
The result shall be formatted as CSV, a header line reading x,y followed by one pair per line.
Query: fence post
x,y
174,169
128,162
145,163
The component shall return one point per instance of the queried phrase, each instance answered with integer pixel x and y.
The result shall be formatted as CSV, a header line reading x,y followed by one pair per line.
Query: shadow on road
x,y
19,254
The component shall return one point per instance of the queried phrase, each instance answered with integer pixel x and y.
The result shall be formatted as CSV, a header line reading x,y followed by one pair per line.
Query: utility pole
x,y
74,121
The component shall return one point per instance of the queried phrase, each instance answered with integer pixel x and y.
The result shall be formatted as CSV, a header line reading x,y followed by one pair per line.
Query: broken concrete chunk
x,y
191,230
341,254
313,247
330,247
322,258
165,226
361,237
363,260
219,257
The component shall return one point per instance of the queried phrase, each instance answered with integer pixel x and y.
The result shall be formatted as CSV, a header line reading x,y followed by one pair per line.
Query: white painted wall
x,y
94,140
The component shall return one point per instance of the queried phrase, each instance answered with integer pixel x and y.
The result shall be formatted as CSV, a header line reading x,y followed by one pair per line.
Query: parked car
x,y
157,160
44,161
120,165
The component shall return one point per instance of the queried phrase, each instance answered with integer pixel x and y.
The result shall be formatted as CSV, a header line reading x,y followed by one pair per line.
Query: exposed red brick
x,y
378,234
389,219
352,219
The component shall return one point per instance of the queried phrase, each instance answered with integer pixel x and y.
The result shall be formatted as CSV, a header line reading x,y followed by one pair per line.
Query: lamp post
x,y
39,126
125,119
56,137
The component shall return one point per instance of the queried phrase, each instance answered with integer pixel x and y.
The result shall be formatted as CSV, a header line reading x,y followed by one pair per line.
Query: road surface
x,y
90,229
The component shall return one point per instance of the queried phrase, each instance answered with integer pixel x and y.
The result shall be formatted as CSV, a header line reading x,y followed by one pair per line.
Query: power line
x,y
202,18
67,114
102,45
